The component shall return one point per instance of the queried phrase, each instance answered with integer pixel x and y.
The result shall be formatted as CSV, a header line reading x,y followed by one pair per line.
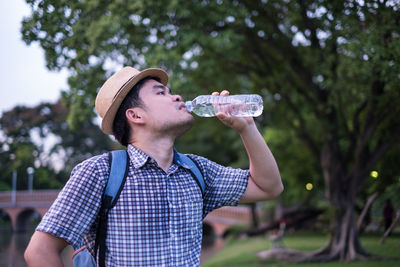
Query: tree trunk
x,y
345,243
341,190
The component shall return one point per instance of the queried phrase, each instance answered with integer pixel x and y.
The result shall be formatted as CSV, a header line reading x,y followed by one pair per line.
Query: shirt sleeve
x,y
224,185
75,209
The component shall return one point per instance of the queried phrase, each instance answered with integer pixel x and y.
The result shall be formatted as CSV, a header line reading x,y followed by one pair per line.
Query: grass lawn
x,y
243,252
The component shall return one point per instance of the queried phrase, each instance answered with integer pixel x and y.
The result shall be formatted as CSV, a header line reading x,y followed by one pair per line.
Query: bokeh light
x,y
309,186
374,174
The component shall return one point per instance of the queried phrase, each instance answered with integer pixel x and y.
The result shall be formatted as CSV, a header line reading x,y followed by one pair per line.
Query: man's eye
x,y
161,93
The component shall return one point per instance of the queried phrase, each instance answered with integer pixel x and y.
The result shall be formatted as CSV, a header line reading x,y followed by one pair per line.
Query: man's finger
x,y
224,93
221,116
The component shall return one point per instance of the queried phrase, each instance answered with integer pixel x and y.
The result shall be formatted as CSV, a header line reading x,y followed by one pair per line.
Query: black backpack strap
x,y
119,164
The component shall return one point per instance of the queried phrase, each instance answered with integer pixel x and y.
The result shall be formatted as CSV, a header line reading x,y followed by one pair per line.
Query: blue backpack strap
x,y
193,168
118,172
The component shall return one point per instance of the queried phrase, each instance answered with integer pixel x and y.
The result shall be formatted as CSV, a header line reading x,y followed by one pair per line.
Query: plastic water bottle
x,y
233,105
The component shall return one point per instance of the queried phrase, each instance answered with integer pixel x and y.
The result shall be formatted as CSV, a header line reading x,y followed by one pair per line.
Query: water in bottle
x,y
233,105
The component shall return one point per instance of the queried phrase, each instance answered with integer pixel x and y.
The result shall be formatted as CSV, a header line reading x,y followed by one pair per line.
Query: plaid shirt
x,y
157,220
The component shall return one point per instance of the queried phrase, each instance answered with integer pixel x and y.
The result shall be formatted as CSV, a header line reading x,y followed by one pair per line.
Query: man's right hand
x,y
239,124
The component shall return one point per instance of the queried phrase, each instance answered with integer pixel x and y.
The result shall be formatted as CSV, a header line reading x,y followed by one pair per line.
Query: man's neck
x,y
161,149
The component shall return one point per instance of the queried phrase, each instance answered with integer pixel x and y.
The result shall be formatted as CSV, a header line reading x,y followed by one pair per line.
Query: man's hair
x,y
121,128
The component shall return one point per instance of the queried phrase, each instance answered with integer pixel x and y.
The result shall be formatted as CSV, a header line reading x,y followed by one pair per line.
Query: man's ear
x,y
135,115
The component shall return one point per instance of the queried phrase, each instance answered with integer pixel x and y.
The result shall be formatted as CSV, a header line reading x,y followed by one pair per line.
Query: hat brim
x,y
108,119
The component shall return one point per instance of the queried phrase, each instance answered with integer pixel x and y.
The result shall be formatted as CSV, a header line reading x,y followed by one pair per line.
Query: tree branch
x,y
309,24
383,145
287,51
356,128
370,200
302,129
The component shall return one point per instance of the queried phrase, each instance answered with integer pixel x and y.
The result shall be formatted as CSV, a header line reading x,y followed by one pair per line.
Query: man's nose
x,y
177,98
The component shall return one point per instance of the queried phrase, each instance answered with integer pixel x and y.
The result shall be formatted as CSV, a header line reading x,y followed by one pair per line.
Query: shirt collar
x,y
140,158
137,156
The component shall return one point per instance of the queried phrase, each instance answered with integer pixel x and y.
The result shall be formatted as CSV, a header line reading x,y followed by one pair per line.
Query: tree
x,y
328,70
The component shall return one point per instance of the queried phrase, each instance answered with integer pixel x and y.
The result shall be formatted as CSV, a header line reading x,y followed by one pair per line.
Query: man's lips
x,y
182,106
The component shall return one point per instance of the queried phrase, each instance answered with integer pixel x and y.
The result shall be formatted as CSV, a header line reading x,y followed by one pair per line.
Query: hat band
x,y
119,90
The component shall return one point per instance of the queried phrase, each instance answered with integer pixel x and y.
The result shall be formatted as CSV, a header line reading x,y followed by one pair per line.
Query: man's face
x,y
164,112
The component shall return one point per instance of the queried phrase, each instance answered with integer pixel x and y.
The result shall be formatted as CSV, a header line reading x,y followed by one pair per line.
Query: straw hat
x,y
115,89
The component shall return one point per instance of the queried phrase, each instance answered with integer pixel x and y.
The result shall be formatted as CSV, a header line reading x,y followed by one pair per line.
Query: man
x,y
157,220
388,214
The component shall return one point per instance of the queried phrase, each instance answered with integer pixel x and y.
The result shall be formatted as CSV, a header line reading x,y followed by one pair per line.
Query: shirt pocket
x,y
192,217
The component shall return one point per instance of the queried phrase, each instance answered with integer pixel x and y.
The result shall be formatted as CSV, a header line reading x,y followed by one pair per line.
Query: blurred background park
x,y
329,75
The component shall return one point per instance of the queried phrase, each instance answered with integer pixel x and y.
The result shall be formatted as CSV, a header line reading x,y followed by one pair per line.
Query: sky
x,y
25,80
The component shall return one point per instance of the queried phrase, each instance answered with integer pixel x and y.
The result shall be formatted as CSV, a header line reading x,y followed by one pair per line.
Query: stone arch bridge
x,y
22,205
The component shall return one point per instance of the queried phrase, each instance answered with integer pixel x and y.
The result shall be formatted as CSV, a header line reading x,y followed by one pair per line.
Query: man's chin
x,y
184,126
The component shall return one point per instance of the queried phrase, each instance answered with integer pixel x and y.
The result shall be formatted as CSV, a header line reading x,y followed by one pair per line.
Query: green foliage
x,y
297,166
19,157
46,179
388,172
